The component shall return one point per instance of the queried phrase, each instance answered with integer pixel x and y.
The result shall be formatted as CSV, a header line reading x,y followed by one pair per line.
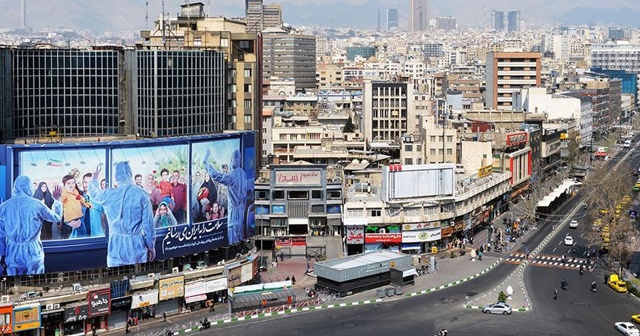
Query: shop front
x,y
382,238
446,238
419,238
202,294
5,319
52,321
75,318
354,235
119,312
26,320
143,305
170,295
99,309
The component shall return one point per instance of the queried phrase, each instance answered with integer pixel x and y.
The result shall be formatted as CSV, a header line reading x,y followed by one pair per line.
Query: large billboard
x,y
411,181
124,202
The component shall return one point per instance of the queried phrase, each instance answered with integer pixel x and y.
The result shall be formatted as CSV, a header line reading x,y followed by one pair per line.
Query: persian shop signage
x,y
25,318
77,313
355,235
514,139
99,302
388,238
311,177
421,236
171,288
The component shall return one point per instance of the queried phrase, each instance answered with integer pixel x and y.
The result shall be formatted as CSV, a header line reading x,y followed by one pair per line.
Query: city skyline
x,y
134,15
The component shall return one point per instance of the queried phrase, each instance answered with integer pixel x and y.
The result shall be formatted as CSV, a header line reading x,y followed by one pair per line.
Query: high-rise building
x,y
253,16
388,111
150,93
513,21
418,15
446,23
497,20
260,17
271,15
508,72
362,51
289,54
392,19
193,29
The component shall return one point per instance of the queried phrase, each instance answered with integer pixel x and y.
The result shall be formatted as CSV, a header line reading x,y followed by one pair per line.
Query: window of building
x,y
317,208
432,151
440,151
408,148
298,194
449,138
247,103
197,41
316,194
247,119
224,42
419,148
262,195
334,194
282,136
449,151
278,194
264,141
432,138
247,73
419,161
408,161
375,213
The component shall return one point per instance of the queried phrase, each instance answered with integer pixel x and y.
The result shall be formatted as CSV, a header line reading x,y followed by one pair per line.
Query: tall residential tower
x,y
418,15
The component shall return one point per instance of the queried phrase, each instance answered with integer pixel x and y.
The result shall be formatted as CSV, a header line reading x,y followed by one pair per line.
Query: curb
x,y
518,271
336,305
496,263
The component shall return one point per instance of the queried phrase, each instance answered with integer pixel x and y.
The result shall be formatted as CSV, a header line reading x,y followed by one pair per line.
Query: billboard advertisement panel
x,y
26,317
412,181
171,288
124,202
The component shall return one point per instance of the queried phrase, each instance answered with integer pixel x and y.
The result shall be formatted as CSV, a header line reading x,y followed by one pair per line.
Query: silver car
x,y
497,308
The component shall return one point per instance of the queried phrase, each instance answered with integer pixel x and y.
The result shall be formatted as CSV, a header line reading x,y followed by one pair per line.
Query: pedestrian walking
x,y
555,294
164,317
281,256
527,252
293,279
435,264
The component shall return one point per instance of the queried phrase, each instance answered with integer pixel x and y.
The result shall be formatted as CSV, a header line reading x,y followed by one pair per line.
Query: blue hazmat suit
x,y
132,235
20,224
237,188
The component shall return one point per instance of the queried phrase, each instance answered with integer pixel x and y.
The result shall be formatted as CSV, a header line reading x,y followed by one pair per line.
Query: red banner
x,y
383,238
516,138
355,235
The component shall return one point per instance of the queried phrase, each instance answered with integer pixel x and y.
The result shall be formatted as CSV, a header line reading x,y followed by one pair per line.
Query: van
x,y
627,144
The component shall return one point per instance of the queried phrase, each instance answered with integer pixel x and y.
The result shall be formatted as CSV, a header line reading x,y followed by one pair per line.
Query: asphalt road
x,y
577,311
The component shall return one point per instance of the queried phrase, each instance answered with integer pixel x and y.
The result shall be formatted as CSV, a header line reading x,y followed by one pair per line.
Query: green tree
x,y
349,126
502,296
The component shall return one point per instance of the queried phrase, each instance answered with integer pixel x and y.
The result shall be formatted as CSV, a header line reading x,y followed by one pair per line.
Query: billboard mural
x,y
125,202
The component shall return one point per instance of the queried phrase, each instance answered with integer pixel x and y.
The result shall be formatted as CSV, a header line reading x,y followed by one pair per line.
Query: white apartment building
x,y
616,56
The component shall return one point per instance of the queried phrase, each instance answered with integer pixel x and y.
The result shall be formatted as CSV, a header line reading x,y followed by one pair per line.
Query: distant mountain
x,y
129,15
623,16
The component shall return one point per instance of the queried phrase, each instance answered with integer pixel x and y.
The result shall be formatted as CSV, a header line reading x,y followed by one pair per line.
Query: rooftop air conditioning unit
x,y
49,306
5,298
175,270
151,275
77,287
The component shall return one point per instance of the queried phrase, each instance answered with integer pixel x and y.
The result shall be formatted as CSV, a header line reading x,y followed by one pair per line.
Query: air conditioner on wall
x,y
56,306
175,270
5,298
49,306
151,275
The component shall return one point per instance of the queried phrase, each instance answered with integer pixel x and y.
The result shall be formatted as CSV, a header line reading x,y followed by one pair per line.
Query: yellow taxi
x,y
605,212
635,318
636,187
626,198
616,283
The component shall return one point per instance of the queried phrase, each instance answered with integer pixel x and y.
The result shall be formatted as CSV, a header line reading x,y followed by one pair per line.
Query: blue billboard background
x,y
196,206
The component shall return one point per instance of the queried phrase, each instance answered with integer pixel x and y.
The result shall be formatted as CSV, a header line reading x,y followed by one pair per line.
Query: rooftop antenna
x,y
146,16
164,39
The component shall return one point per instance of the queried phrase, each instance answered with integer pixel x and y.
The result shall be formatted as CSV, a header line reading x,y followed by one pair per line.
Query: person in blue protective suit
x,y
21,219
132,235
237,188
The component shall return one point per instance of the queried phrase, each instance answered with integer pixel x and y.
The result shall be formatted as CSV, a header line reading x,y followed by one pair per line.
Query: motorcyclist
x,y
593,286
564,283
581,269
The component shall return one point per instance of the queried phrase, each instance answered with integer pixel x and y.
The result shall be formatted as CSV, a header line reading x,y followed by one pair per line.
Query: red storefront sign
x,y
293,241
355,235
394,238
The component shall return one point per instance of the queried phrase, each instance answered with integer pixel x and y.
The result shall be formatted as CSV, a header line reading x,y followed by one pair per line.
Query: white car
x,y
497,308
568,240
627,328
573,224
